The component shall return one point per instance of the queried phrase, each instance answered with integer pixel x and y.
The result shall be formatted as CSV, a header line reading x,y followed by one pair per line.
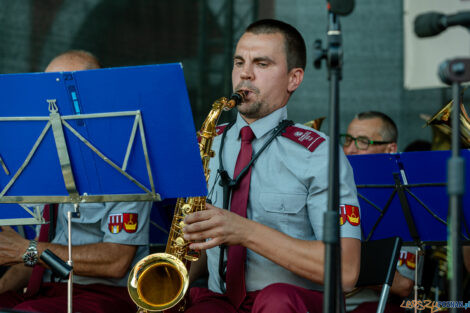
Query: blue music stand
x,y
405,195
118,134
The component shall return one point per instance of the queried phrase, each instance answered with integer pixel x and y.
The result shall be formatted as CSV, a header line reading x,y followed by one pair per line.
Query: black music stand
x,y
119,134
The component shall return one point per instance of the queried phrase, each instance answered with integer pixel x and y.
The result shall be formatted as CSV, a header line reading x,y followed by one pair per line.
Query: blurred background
x,y
386,67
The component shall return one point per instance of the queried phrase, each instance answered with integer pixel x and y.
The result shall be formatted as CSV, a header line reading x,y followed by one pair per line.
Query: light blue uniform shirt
x,y
288,192
93,226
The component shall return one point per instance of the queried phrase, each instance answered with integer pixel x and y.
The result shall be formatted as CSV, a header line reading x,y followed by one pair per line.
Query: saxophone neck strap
x,y
225,180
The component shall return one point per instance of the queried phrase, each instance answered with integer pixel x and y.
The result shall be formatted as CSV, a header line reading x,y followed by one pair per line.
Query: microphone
x,y
340,7
432,23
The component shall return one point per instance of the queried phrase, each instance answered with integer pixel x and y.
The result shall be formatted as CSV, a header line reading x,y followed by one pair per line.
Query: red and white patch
x,y
130,222
115,223
342,214
407,258
307,138
349,213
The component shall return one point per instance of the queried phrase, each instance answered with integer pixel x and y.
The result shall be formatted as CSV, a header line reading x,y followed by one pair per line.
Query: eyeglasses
x,y
361,142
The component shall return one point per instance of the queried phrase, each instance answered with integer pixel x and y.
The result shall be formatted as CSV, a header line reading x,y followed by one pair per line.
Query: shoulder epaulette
x,y
307,138
220,129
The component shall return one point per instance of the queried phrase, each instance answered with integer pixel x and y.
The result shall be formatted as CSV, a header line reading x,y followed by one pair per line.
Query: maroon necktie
x,y
38,271
235,278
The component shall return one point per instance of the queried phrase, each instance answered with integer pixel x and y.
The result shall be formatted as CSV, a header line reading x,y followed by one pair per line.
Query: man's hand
x,y
218,225
12,246
15,278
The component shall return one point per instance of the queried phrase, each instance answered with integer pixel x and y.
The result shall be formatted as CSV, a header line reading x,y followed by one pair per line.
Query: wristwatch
x,y
30,257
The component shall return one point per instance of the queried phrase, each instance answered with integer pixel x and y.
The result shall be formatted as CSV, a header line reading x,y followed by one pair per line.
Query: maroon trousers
x,y
52,298
282,298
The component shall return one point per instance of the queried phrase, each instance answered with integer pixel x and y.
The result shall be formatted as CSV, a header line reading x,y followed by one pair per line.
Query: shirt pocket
x,y
285,212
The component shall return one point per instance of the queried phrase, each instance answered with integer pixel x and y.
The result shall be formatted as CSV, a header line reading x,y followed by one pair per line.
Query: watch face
x,y
30,258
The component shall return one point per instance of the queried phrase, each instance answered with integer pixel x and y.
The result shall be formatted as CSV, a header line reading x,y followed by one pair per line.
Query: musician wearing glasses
x,y
369,133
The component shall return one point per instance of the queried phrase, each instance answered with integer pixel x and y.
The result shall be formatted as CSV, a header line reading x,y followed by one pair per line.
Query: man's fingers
x,y
210,206
201,215
205,245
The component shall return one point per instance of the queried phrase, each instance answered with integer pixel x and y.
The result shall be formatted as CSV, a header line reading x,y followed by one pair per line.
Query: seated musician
x,y
108,239
368,133
271,233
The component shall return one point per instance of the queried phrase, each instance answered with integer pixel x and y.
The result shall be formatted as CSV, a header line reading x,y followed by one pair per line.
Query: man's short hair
x,y
296,52
389,130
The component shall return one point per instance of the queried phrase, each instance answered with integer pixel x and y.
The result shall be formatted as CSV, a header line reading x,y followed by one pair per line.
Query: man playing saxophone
x,y
261,236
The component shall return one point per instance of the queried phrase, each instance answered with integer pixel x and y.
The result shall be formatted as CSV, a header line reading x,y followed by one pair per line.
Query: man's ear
x,y
392,147
296,75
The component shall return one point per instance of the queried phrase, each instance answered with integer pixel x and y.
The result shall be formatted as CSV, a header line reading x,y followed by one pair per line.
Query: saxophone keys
x,y
192,255
186,208
179,242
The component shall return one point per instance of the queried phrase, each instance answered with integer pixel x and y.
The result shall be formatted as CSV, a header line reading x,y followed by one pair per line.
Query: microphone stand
x,y
332,300
454,73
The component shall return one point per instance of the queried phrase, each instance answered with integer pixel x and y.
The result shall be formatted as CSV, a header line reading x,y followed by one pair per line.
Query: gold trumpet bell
x,y
442,127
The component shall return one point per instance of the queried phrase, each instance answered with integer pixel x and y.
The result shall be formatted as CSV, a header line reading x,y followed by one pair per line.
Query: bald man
x,y
74,60
103,252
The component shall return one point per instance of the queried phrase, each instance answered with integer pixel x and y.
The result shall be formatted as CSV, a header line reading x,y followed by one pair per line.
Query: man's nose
x,y
247,72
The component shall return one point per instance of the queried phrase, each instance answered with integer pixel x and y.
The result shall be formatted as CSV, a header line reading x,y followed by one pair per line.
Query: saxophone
x,y
159,281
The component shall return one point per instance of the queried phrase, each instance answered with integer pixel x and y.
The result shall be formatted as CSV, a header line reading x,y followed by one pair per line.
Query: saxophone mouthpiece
x,y
236,98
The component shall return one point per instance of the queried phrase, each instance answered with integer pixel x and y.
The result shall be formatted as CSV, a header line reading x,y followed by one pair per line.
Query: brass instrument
x,y
442,128
316,123
159,281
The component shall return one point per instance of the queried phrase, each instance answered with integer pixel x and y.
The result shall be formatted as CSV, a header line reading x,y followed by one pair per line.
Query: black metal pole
x,y
332,275
455,189
455,72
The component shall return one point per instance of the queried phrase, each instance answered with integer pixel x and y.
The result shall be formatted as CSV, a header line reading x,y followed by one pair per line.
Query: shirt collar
x,y
264,125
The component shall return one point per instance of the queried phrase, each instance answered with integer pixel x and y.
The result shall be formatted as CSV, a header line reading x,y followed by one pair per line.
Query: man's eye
x,y
238,63
363,140
262,64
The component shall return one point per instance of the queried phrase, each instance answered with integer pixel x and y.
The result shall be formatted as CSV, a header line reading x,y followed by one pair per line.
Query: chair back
x,y
379,261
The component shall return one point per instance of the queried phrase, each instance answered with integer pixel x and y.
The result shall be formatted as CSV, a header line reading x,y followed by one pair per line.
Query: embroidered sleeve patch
x,y
349,213
408,259
126,221
307,138
130,222
115,223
